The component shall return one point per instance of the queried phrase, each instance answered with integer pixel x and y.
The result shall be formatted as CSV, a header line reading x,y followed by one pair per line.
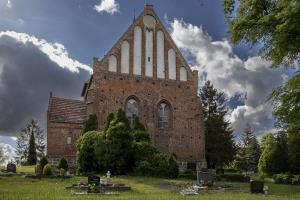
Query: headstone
x,y
220,171
94,180
256,186
11,167
205,178
108,174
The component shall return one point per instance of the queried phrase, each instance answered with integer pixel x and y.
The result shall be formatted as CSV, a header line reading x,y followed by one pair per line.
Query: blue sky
x,y
49,45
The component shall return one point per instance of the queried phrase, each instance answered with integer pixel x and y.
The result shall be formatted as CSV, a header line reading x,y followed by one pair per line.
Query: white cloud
x,y
216,61
9,153
109,6
8,4
55,51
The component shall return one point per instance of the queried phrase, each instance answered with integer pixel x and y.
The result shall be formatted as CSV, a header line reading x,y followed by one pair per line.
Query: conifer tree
x,y
219,144
91,124
31,160
23,139
248,153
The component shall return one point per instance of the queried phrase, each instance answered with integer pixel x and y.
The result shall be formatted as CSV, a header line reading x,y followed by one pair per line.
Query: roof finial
x,y
133,14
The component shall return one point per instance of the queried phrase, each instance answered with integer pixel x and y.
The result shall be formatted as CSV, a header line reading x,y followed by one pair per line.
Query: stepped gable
x,y
63,110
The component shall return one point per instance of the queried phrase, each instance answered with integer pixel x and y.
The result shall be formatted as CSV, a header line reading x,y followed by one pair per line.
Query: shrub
x,y
173,170
158,165
62,172
230,170
188,174
47,170
87,161
235,178
63,163
43,162
285,179
38,169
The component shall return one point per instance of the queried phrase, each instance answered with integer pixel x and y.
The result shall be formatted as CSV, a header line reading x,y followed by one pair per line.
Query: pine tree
x,y
248,154
91,124
265,166
109,119
23,142
31,159
220,146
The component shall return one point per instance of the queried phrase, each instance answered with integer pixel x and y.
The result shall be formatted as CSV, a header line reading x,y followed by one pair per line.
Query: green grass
x,y
18,187
25,169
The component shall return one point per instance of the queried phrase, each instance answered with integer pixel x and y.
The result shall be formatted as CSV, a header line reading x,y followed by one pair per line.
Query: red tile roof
x,y
66,110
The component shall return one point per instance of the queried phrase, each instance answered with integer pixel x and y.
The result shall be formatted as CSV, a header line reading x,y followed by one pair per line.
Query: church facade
x,y
145,74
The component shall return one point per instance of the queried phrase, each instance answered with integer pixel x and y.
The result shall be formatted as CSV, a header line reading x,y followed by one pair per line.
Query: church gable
x,y
146,49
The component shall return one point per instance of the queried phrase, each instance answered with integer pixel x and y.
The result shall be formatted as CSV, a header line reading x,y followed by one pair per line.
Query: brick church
x,y
145,74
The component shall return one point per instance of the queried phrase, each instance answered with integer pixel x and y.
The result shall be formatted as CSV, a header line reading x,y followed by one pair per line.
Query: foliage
x,y
280,156
2,158
294,151
63,164
38,169
273,23
121,117
109,119
47,170
43,162
219,144
265,166
137,125
119,148
286,103
62,172
23,142
235,177
91,124
286,179
248,154
32,158
87,161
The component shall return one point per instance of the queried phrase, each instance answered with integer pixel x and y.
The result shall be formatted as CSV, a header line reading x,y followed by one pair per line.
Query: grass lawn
x,y
18,187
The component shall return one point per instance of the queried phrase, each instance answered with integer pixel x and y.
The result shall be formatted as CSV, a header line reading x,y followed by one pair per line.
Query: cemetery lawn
x,y
18,187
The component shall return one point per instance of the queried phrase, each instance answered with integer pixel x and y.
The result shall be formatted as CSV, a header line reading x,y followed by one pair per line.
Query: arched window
x,y
163,118
183,74
112,65
172,64
125,57
131,110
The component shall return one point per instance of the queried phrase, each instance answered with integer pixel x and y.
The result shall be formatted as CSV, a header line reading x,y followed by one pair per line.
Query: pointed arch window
x,y
163,119
131,110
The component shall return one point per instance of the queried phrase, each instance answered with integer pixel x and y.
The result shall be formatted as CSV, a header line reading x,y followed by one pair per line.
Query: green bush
x,y
43,162
188,174
158,165
38,169
62,172
173,170
47,170
230,170
286,179
235,177
63,163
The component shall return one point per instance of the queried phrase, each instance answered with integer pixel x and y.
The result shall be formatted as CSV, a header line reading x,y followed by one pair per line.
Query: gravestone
x,y
205,178
11,167
256,186
220,171
94,180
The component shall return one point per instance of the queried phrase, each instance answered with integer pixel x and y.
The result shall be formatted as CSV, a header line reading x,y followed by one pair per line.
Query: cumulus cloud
x,y
8,4
109,6
215,60
29,69
55,51
8,153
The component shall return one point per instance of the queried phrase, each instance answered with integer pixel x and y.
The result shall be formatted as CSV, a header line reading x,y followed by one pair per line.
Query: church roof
x,y
66,110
